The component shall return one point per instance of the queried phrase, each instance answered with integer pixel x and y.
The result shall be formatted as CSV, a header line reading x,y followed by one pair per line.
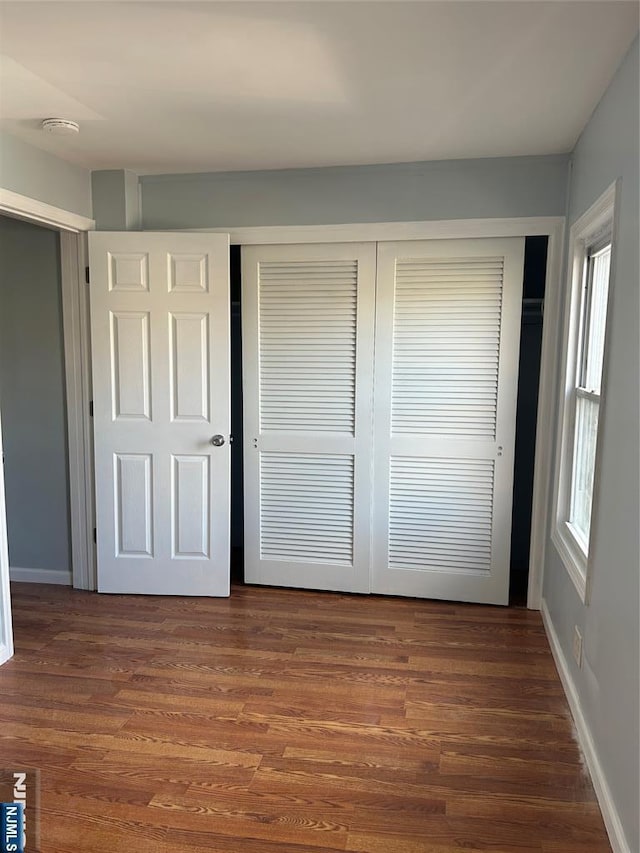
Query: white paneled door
x,y
447,341
308,318
160,344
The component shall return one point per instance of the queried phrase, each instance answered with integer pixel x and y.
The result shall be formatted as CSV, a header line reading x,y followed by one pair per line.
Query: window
x,y
584,341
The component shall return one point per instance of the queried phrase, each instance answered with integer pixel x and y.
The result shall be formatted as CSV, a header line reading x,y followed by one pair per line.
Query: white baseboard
x,y
608,808
5,653
40,576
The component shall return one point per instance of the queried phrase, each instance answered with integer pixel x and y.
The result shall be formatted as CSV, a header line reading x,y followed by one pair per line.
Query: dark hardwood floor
x,y
287,721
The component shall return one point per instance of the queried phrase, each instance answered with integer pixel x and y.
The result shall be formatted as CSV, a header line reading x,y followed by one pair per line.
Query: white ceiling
x,y
186,87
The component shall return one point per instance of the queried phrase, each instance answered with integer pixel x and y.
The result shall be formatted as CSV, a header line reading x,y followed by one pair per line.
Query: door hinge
x,y
95,536
90,408
87,277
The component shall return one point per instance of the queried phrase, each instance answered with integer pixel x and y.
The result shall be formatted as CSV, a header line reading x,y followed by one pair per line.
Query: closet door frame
x,y
552,227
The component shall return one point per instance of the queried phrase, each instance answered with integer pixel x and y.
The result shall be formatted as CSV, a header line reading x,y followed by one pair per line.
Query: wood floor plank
x,y
284,721
280,824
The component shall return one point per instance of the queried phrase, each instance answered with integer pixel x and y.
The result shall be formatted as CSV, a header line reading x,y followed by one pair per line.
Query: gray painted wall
x,y
32,397
39,175
116,201
608,684
452,189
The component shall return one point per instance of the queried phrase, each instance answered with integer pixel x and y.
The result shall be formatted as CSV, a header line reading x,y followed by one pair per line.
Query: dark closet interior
x,y
237,497
535,265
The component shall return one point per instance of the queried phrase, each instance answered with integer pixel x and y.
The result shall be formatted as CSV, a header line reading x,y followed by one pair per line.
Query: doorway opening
x,y
33,402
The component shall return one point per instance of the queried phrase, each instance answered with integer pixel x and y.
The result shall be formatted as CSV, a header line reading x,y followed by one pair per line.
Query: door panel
x,y
308,316
306,507
160,343
447,335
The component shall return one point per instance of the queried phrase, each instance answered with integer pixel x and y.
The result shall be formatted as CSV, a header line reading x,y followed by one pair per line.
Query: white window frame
x,y
586,233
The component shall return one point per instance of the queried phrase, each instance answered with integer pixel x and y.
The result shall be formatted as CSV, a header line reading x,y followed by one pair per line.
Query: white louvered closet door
x,y
308,317
447,339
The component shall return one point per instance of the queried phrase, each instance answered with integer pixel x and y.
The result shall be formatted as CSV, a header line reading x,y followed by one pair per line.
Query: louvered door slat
x,y
288,295
427,543
432,297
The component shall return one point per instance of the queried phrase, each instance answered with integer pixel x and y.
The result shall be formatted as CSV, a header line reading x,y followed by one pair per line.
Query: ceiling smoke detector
x,y
60,126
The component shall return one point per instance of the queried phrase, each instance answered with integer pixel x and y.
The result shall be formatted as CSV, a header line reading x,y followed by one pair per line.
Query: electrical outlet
x,y
577,645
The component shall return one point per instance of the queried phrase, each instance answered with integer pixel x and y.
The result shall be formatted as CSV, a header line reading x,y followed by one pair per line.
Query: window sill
x,y
573,557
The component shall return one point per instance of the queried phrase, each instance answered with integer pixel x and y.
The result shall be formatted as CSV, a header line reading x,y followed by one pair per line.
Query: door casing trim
x,y
77,356
72,229
41,213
